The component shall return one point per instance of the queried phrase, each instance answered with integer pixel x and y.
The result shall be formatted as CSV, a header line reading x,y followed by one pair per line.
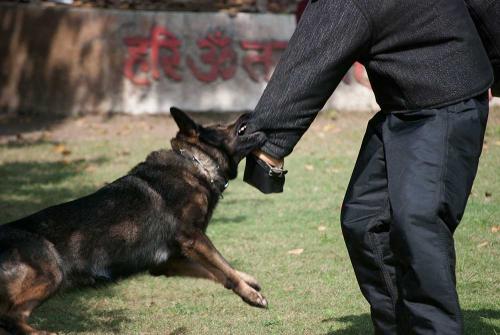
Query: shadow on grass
x,y
248,201
355,325
30,186
220,218
179,331
25,143
19,125
476,322
227,219
81,311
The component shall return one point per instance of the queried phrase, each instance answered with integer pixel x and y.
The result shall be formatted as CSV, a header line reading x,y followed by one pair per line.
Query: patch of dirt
x,y
33,129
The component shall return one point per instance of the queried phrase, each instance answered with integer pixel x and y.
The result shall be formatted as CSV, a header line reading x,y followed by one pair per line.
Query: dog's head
x,y
225,144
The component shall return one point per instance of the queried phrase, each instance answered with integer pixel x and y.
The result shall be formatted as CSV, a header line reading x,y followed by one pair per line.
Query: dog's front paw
x,y
250,295
250,280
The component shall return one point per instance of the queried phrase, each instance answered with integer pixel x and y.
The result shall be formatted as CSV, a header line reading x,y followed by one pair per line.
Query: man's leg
x,y
365,226
432,157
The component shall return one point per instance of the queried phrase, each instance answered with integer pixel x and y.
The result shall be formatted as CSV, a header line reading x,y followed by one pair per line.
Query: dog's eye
x,y
242,129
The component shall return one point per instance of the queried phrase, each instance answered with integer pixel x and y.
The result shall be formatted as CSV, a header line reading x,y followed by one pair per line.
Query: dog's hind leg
x,y
197,246
26,280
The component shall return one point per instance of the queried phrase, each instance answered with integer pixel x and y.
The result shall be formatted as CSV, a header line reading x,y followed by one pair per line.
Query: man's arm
x,y
330,36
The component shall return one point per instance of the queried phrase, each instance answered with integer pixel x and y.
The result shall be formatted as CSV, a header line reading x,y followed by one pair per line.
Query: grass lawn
x,y
310,292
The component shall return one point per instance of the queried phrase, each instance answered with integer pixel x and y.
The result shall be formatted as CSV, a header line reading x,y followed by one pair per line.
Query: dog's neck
x,y
205,164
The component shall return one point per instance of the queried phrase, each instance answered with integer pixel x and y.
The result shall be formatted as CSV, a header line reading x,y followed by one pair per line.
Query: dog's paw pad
x,y
263,303
255,299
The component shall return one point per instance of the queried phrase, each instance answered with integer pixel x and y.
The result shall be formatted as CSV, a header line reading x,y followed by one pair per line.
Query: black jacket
x,y
418,54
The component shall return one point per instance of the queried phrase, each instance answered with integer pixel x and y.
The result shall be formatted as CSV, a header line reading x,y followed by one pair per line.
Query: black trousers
x,y
405,199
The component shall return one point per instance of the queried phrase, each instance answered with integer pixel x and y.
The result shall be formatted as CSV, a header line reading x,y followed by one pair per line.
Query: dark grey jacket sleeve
x,y
330,36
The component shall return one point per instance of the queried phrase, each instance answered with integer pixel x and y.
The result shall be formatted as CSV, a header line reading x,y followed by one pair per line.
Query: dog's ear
x,y
186,125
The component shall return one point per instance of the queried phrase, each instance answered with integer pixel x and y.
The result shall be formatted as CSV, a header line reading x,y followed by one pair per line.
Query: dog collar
x,y
192,157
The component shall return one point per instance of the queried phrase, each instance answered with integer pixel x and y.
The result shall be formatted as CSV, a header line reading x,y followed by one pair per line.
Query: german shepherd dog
x,y
153,219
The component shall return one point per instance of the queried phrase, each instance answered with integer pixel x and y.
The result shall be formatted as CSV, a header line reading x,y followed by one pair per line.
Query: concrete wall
x,y
69,61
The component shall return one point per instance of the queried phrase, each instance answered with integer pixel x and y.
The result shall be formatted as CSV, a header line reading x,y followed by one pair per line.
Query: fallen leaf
x,y
482,245
45,135
296,251
61,148
90,168
309,167
328,127
322,228
495,229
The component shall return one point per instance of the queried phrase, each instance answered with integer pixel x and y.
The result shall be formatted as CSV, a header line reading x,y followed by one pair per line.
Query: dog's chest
x,y
197,210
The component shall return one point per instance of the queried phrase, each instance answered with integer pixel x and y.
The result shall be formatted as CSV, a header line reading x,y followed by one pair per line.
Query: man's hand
x,y
274,162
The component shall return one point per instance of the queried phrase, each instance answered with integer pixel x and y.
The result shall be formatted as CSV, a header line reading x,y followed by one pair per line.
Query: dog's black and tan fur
x,y
153,219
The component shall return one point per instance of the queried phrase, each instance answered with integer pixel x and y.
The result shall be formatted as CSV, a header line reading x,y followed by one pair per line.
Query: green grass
x,y
314,292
